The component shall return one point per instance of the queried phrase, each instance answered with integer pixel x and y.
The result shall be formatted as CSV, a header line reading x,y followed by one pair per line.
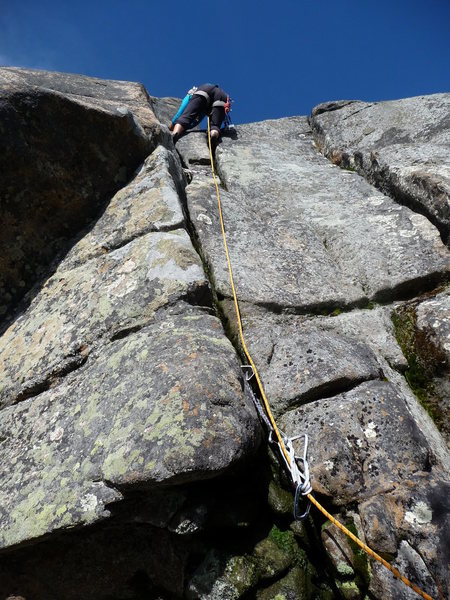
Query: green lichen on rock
x,y
272,559
242,572
285,540
296,585
424,360
360,559
349,590
223,576
344,569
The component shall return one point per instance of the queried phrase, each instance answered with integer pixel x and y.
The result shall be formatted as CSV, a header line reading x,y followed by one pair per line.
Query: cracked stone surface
x,y
401,491
123,403
402,146
408,561
78,307
417,511
352,459
333,239
300,361
150,202
163,405
63,156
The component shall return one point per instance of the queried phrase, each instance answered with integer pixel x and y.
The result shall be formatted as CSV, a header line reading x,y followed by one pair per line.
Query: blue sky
x,y
274,58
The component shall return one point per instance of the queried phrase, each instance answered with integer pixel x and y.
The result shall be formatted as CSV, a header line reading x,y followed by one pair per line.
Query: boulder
x,y
401,146
163,405
333,240
69,142
82,308
106,94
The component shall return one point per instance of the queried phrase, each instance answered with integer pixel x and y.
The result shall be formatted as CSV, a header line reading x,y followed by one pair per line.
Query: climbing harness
x,y
226,105
299,475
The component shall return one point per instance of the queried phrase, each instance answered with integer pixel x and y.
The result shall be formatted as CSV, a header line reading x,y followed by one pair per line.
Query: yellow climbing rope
x,y
281,443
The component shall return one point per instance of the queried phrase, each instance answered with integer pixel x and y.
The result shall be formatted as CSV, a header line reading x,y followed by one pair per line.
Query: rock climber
x,y
207,99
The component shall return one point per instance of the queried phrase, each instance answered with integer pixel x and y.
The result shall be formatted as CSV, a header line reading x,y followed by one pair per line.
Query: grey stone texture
x,y
402,146
355,458
93,397
150,202
125,414
141,413
325,375
433,318
104,94
333,241
302,362
68,143
99,300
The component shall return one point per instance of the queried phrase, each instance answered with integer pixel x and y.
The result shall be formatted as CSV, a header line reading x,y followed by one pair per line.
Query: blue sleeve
x,y
182,107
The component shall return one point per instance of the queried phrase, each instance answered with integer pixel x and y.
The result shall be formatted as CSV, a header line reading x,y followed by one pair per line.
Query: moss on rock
x,y
424,360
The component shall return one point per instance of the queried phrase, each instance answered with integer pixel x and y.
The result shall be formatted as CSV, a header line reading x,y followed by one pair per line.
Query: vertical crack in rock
x,y
284,374
158,405
400,146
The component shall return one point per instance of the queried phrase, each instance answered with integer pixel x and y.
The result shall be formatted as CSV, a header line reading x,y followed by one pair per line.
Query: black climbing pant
x,y
196,109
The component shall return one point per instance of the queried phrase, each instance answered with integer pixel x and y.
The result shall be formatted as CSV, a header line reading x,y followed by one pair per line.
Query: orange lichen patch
x,y
188,409
84,349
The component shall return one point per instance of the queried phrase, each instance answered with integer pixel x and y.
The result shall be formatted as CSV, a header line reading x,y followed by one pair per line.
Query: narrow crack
x,y
358,111
329,389
199,298
408,290
381,177
271,353
403,292
107,249
323,309
52,379
109,484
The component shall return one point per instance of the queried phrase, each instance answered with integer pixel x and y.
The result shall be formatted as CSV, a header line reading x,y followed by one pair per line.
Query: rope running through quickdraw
x,y
300,479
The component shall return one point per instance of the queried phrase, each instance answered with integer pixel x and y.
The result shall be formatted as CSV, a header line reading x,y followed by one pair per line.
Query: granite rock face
x,y
132,458
68,143
104,94
112,371
128,417
307,238
401,146
333,240
423,331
